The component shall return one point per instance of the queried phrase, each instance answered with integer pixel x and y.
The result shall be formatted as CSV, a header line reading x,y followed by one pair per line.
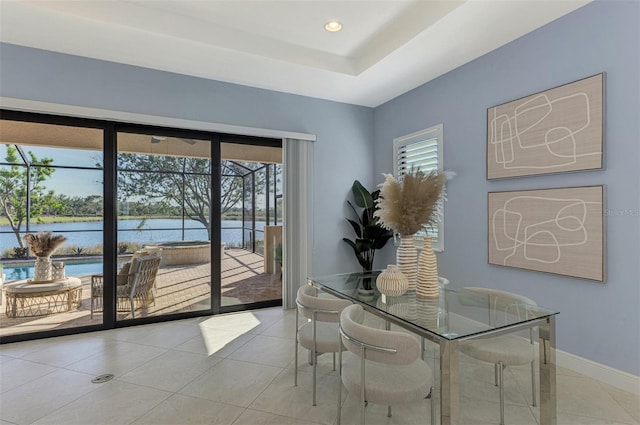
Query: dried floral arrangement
x,y
43,244
412,203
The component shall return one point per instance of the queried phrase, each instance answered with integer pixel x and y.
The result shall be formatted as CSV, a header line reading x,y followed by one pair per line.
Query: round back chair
x,y
383,367
319,334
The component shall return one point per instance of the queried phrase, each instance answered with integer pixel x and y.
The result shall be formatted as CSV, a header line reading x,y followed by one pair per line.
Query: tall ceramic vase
x,y
407,259
42,269
427,285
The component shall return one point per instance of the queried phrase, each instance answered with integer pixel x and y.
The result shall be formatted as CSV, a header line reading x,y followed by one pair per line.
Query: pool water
x,y
70,268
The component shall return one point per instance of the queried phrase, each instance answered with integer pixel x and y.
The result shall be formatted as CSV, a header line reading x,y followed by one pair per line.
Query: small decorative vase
x,y
42,269
392,282
427,285
57,271
407,259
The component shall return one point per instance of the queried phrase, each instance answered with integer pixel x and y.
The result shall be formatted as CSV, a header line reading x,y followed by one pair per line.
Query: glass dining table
x,y
451,319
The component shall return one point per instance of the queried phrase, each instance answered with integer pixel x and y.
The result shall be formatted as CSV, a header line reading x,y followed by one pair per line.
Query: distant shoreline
x,y
57,219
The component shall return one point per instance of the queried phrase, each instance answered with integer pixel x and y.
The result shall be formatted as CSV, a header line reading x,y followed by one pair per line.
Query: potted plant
x,y
43,245
370,235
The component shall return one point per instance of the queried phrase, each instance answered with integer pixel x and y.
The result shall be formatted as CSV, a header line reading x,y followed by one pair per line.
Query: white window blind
x,y
423,150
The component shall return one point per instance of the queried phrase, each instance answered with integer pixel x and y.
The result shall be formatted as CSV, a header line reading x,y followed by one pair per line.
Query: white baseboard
x,y
614,377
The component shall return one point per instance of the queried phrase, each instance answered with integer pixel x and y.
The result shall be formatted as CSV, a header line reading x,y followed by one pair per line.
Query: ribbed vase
x,y
392,281
428,312
407,260
427,284
42,269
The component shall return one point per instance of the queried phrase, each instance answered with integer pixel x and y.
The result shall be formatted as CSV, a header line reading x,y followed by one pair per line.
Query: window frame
x,y
437,132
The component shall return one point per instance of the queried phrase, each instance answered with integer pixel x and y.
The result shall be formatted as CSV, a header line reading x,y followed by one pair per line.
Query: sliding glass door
x,y
51,225
155,224
163,211
251,224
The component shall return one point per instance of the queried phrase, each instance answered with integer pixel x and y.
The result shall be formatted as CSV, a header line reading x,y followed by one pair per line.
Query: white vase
x,y
392,281
42,269
57,270
407,260
429,312
427,285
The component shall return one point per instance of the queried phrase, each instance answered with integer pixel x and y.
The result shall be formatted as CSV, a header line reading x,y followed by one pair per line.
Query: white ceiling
x,y
385,48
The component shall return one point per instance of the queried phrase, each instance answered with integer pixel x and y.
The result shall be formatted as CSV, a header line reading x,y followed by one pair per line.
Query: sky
x,y
71,182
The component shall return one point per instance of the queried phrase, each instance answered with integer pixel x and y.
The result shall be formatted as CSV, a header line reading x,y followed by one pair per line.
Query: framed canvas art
x,y
554,131
557,231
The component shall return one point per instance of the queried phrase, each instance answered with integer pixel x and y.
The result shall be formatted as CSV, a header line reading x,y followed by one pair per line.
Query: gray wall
x,y
344,132
597,321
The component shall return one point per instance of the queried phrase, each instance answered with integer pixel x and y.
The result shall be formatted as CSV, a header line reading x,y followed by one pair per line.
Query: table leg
x,y
449,383
14,304
548,372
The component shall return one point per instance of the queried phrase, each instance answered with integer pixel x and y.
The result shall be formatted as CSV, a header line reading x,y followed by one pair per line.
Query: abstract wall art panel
x,y
554,131
557,231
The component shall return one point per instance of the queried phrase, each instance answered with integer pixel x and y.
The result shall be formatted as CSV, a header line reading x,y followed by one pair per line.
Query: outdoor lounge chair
x,y
136,286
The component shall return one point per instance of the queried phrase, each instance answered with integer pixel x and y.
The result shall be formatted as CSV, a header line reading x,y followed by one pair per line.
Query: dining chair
x,y
504,350
319,334
381,366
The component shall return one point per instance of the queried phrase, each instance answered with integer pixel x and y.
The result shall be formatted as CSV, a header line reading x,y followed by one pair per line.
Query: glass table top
x,y
454,314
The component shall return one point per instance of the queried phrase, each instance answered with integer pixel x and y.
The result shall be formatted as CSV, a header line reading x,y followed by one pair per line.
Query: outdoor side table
x,y
27,299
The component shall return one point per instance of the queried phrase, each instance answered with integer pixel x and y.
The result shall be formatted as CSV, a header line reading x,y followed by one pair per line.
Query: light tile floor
x,y
238,369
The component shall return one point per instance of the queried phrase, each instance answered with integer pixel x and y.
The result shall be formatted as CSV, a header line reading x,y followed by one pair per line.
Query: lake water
x,y
87,234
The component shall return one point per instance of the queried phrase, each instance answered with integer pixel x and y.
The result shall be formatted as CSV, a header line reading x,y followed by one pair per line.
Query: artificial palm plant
x,y
370,235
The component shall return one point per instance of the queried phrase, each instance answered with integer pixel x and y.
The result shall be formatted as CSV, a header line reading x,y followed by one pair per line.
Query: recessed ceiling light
x,y
333,26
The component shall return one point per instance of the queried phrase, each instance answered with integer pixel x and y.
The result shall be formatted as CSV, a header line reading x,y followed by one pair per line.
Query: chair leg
x,y
334,361
315,366
495,374
363,402
339,384
92,307
133,312
433,412
533,383
315,359
388,411
295,369
501,384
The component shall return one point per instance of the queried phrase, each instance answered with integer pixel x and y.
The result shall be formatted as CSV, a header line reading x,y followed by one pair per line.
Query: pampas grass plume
x,y
409,205
43,244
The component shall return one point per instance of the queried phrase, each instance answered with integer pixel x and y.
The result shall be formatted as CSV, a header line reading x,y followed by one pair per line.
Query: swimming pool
x,y
71,268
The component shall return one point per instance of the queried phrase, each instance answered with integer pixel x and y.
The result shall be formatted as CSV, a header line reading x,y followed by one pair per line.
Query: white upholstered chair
x,y
381,366
320,333
504,350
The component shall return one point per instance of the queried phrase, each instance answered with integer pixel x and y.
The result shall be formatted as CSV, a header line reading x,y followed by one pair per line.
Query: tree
x,y
174,180
22,187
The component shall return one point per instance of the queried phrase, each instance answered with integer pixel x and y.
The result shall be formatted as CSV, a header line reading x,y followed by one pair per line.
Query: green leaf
x,y
356,227
361,195
363,245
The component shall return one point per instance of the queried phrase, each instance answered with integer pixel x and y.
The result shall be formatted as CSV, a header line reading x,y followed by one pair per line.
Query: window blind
x,y
422,150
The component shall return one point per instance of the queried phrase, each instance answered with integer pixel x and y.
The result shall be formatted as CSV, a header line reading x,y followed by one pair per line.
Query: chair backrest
x,y
145,274
379,345
327,309
503,303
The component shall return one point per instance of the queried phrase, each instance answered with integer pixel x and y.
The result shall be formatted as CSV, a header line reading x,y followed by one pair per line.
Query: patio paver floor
x,y
179,289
